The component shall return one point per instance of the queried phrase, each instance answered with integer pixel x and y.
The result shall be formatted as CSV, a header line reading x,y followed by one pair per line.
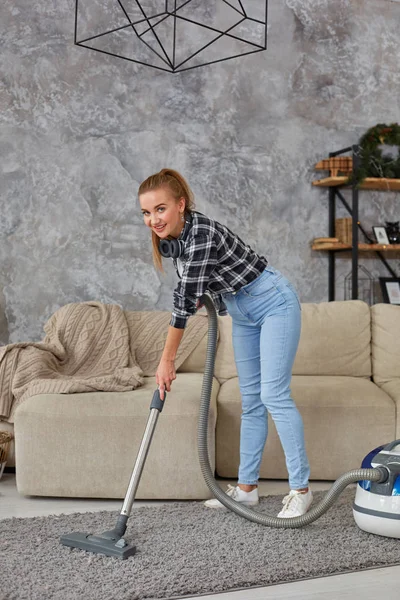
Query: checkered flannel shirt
x,y
214,260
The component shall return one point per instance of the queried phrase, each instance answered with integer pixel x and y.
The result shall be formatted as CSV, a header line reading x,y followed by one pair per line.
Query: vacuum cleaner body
x,y
376,507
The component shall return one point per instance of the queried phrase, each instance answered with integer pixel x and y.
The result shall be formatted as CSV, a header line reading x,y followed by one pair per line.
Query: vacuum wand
x,y
156,407
112,543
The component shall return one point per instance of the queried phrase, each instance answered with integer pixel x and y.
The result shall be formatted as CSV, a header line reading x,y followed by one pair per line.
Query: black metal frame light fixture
x,y
172,35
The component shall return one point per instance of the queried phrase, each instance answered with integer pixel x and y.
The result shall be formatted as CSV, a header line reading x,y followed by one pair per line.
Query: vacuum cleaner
x,y
376,508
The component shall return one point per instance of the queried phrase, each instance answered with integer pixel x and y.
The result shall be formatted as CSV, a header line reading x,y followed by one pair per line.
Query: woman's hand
x,y
165,375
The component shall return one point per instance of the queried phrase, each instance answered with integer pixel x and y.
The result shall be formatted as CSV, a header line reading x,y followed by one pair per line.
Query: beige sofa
x,y
346,383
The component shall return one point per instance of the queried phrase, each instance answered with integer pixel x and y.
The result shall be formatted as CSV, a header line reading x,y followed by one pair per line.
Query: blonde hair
x,y
179,188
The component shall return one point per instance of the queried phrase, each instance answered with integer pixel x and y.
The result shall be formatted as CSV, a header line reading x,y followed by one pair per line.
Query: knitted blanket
x,y
88,347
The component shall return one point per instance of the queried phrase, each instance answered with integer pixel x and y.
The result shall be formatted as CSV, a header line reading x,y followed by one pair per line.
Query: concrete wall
x,y
80,130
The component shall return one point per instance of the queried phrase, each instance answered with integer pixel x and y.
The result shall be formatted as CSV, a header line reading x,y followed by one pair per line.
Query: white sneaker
x,y
245,498
296,504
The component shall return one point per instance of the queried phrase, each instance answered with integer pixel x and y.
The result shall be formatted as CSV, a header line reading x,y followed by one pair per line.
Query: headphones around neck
x,y
175,248
171,248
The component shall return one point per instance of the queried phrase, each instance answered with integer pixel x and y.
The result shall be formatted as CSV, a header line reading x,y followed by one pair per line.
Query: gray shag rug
x,y
183,549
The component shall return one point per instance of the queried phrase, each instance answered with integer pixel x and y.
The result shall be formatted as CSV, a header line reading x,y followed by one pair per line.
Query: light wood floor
x,y
365,585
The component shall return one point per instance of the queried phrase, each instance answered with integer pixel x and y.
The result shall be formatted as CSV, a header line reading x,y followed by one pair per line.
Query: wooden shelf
x,y
361,247
370,183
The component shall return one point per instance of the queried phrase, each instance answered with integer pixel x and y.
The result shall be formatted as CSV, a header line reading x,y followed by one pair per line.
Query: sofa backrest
x,y
385,345
335,340
148,331
224,362
196,360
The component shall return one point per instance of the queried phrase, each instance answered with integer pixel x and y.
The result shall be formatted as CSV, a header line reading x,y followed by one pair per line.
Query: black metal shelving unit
x,y
353,210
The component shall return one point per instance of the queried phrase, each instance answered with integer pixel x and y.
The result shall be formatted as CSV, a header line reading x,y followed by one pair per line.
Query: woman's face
x,y
162,213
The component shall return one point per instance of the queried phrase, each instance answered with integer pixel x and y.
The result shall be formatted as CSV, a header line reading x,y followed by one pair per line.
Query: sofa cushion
x,y
392,389
385,342
335,340
340,414
196,360
148,331
85,445
225,366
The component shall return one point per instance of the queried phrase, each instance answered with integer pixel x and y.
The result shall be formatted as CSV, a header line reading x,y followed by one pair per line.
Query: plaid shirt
x,y
214,260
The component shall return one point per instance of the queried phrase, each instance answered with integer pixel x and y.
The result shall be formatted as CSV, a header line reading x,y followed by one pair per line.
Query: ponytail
x,y
177,185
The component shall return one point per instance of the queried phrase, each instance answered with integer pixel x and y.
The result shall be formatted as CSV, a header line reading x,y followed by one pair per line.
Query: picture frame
x,y
390,287
381,235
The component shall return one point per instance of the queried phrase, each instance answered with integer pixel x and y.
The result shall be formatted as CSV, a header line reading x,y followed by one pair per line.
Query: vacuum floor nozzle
x,y
116,547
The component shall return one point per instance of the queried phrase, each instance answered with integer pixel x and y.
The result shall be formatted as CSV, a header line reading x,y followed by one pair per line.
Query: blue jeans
x,y
266,323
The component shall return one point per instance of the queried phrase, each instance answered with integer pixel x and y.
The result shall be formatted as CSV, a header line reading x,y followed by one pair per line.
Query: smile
x,y
159,228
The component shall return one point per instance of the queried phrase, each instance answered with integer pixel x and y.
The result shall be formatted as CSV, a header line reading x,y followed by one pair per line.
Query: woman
x,y
266,322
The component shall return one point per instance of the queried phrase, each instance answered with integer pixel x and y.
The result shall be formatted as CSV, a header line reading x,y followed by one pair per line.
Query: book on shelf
x,y
343,230
326,240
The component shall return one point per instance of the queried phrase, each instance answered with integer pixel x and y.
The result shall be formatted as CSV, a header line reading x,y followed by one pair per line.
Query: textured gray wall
x,y
80,130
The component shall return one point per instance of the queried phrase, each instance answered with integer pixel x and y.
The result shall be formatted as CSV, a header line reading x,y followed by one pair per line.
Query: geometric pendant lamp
x,y
172,35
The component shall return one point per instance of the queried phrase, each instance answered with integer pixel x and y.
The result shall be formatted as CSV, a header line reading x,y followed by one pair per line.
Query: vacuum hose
x,y
379,474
